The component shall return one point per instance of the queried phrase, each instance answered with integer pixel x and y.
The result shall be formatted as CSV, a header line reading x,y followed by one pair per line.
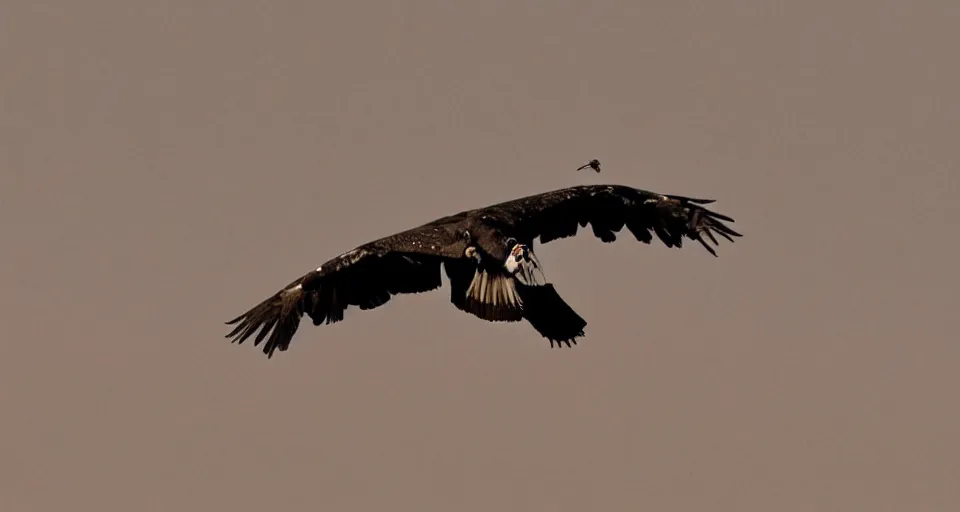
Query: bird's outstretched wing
x,y
608,208
365,277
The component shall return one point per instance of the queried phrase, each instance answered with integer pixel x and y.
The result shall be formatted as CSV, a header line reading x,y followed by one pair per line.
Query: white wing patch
x,y
525,265
494,295
494,289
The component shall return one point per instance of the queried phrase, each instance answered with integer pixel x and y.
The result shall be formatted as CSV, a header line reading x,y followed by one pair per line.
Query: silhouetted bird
x,y
487,254
593,164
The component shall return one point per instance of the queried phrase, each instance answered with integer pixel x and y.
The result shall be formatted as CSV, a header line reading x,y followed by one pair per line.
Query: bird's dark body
x,y
410,261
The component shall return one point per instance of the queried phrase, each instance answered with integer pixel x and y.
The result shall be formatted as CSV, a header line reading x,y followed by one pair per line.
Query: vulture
x,y
488,255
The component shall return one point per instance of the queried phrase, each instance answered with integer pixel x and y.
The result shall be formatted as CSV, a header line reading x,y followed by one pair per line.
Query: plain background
x,y
166,165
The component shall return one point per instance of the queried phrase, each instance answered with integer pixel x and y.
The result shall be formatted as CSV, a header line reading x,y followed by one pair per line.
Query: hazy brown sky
x,y
166,165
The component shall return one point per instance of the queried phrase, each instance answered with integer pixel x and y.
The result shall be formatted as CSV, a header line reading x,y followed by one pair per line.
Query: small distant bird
x,y
593,164
489,258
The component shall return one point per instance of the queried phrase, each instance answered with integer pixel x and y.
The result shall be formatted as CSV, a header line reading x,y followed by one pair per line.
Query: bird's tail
x,y
542,306
550,315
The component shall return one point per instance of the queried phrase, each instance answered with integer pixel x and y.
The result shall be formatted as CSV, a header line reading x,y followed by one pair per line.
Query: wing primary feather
x,y
691,199
710,234
707,246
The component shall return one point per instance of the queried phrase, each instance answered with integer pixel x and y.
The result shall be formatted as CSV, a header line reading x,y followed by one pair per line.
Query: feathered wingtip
x,y
702,222
706,222
278,316
692,200
550,315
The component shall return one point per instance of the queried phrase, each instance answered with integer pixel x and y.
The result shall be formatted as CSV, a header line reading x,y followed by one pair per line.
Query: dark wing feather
x,y
366,277
607,209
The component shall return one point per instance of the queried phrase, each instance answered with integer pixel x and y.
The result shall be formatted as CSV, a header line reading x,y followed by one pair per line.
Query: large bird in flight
x,y
488,256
